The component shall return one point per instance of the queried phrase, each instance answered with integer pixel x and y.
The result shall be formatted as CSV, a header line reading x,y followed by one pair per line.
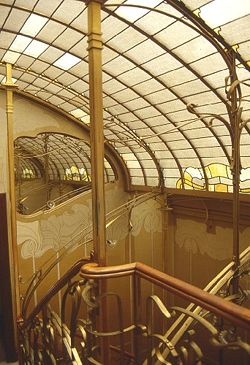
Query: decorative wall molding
x,y
193,237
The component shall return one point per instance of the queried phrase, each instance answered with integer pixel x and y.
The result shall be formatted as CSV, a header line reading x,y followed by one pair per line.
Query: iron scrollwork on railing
x,y
185,336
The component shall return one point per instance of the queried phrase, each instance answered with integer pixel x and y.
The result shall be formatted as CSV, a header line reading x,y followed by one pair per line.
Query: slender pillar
x,y
46,166
13,256
235,167
96,129
97,155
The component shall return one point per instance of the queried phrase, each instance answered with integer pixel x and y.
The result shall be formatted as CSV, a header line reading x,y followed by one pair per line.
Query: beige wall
x,y
31,118
190,242
34,193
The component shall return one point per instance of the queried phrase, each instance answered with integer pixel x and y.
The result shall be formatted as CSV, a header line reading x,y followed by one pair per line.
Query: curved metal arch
x,y
40,161
70,141
70,157
181,7
128,146
55,135
173,122
200,23
178,59
151,9
202,29
54,160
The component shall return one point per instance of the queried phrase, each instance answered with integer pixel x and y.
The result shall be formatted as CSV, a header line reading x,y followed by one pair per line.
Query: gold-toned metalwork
x,y
72,336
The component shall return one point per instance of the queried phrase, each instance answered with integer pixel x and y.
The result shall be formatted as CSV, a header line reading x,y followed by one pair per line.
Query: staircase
x,y
135,325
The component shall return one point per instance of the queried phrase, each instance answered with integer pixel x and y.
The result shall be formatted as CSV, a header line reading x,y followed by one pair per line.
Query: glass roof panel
x,y
154,67
67,61
144,52
6,39
16,20
35,48
237,31
51,30
33,24
137,12
11,57
126,39
219,12
20,43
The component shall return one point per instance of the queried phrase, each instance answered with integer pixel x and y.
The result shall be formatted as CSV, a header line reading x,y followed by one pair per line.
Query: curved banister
x,y
234,313
63,198
54,290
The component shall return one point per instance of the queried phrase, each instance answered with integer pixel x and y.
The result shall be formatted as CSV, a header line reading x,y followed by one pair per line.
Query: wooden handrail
x,y
53,291
234,313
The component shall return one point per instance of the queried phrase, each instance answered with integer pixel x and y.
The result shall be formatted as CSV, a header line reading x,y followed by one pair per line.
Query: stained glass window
x,y
219,178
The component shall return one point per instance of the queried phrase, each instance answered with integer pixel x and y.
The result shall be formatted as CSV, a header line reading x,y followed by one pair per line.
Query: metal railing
x,y
131,322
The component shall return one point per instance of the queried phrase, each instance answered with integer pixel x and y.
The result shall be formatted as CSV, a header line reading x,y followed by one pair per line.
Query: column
x,y
11,195
96,129
97,155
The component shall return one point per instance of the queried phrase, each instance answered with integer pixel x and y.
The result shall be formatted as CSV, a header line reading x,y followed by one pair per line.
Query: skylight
x,y
67,61
11,57
219,12
36,48
133,13
20,43
33,24
86,119
78,113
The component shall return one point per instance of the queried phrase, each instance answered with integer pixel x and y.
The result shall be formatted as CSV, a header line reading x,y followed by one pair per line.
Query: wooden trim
x,y
7,332
234,313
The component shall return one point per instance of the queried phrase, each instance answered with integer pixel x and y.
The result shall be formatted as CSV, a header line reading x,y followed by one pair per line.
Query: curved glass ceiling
x,y
164,71
67,158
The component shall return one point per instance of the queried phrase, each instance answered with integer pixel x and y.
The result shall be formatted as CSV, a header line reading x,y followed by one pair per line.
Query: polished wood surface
x,y
234,313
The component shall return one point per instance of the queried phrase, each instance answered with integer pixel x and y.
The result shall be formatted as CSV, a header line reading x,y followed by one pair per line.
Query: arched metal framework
x,y
68,158
164,70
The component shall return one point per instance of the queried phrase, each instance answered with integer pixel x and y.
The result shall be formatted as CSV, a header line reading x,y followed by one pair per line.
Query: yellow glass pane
x,y
179,184
217,169
187,176
221,188
74,170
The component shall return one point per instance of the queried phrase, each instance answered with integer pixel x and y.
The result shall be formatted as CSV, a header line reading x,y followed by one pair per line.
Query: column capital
x,y
9,84
94,1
